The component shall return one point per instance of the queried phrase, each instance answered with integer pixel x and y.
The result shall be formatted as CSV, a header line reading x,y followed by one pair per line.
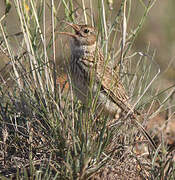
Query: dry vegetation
x,y
45,133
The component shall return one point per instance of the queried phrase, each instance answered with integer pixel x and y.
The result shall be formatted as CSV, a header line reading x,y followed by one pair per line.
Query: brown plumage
x,y
92,77
88,64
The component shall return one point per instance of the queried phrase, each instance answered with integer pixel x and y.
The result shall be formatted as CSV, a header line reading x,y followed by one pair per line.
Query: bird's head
x,y
84,35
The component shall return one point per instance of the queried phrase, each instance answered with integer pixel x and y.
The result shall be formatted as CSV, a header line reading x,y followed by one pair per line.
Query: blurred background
x,y
158,32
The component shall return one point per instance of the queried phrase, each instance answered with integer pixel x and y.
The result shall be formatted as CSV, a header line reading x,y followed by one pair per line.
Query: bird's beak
x,y
75,27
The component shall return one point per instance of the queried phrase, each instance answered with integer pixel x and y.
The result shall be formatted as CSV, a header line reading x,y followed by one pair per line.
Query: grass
x,y
45,133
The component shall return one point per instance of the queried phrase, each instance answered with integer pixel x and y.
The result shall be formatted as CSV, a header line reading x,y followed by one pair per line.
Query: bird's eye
x,y
86,31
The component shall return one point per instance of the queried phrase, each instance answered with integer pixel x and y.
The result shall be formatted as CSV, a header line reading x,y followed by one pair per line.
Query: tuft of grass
x,y
45,133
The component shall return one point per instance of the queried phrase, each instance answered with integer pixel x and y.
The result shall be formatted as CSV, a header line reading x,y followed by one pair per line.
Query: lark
x,y
93,78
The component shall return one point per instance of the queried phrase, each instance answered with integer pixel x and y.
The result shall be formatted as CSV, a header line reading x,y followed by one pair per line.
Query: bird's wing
x,y
111,84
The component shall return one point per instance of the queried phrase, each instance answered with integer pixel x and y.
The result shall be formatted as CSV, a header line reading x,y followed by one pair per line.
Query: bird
x,y
92,76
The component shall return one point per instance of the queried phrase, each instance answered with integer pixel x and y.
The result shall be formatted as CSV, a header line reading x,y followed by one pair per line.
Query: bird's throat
x,y
82,50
